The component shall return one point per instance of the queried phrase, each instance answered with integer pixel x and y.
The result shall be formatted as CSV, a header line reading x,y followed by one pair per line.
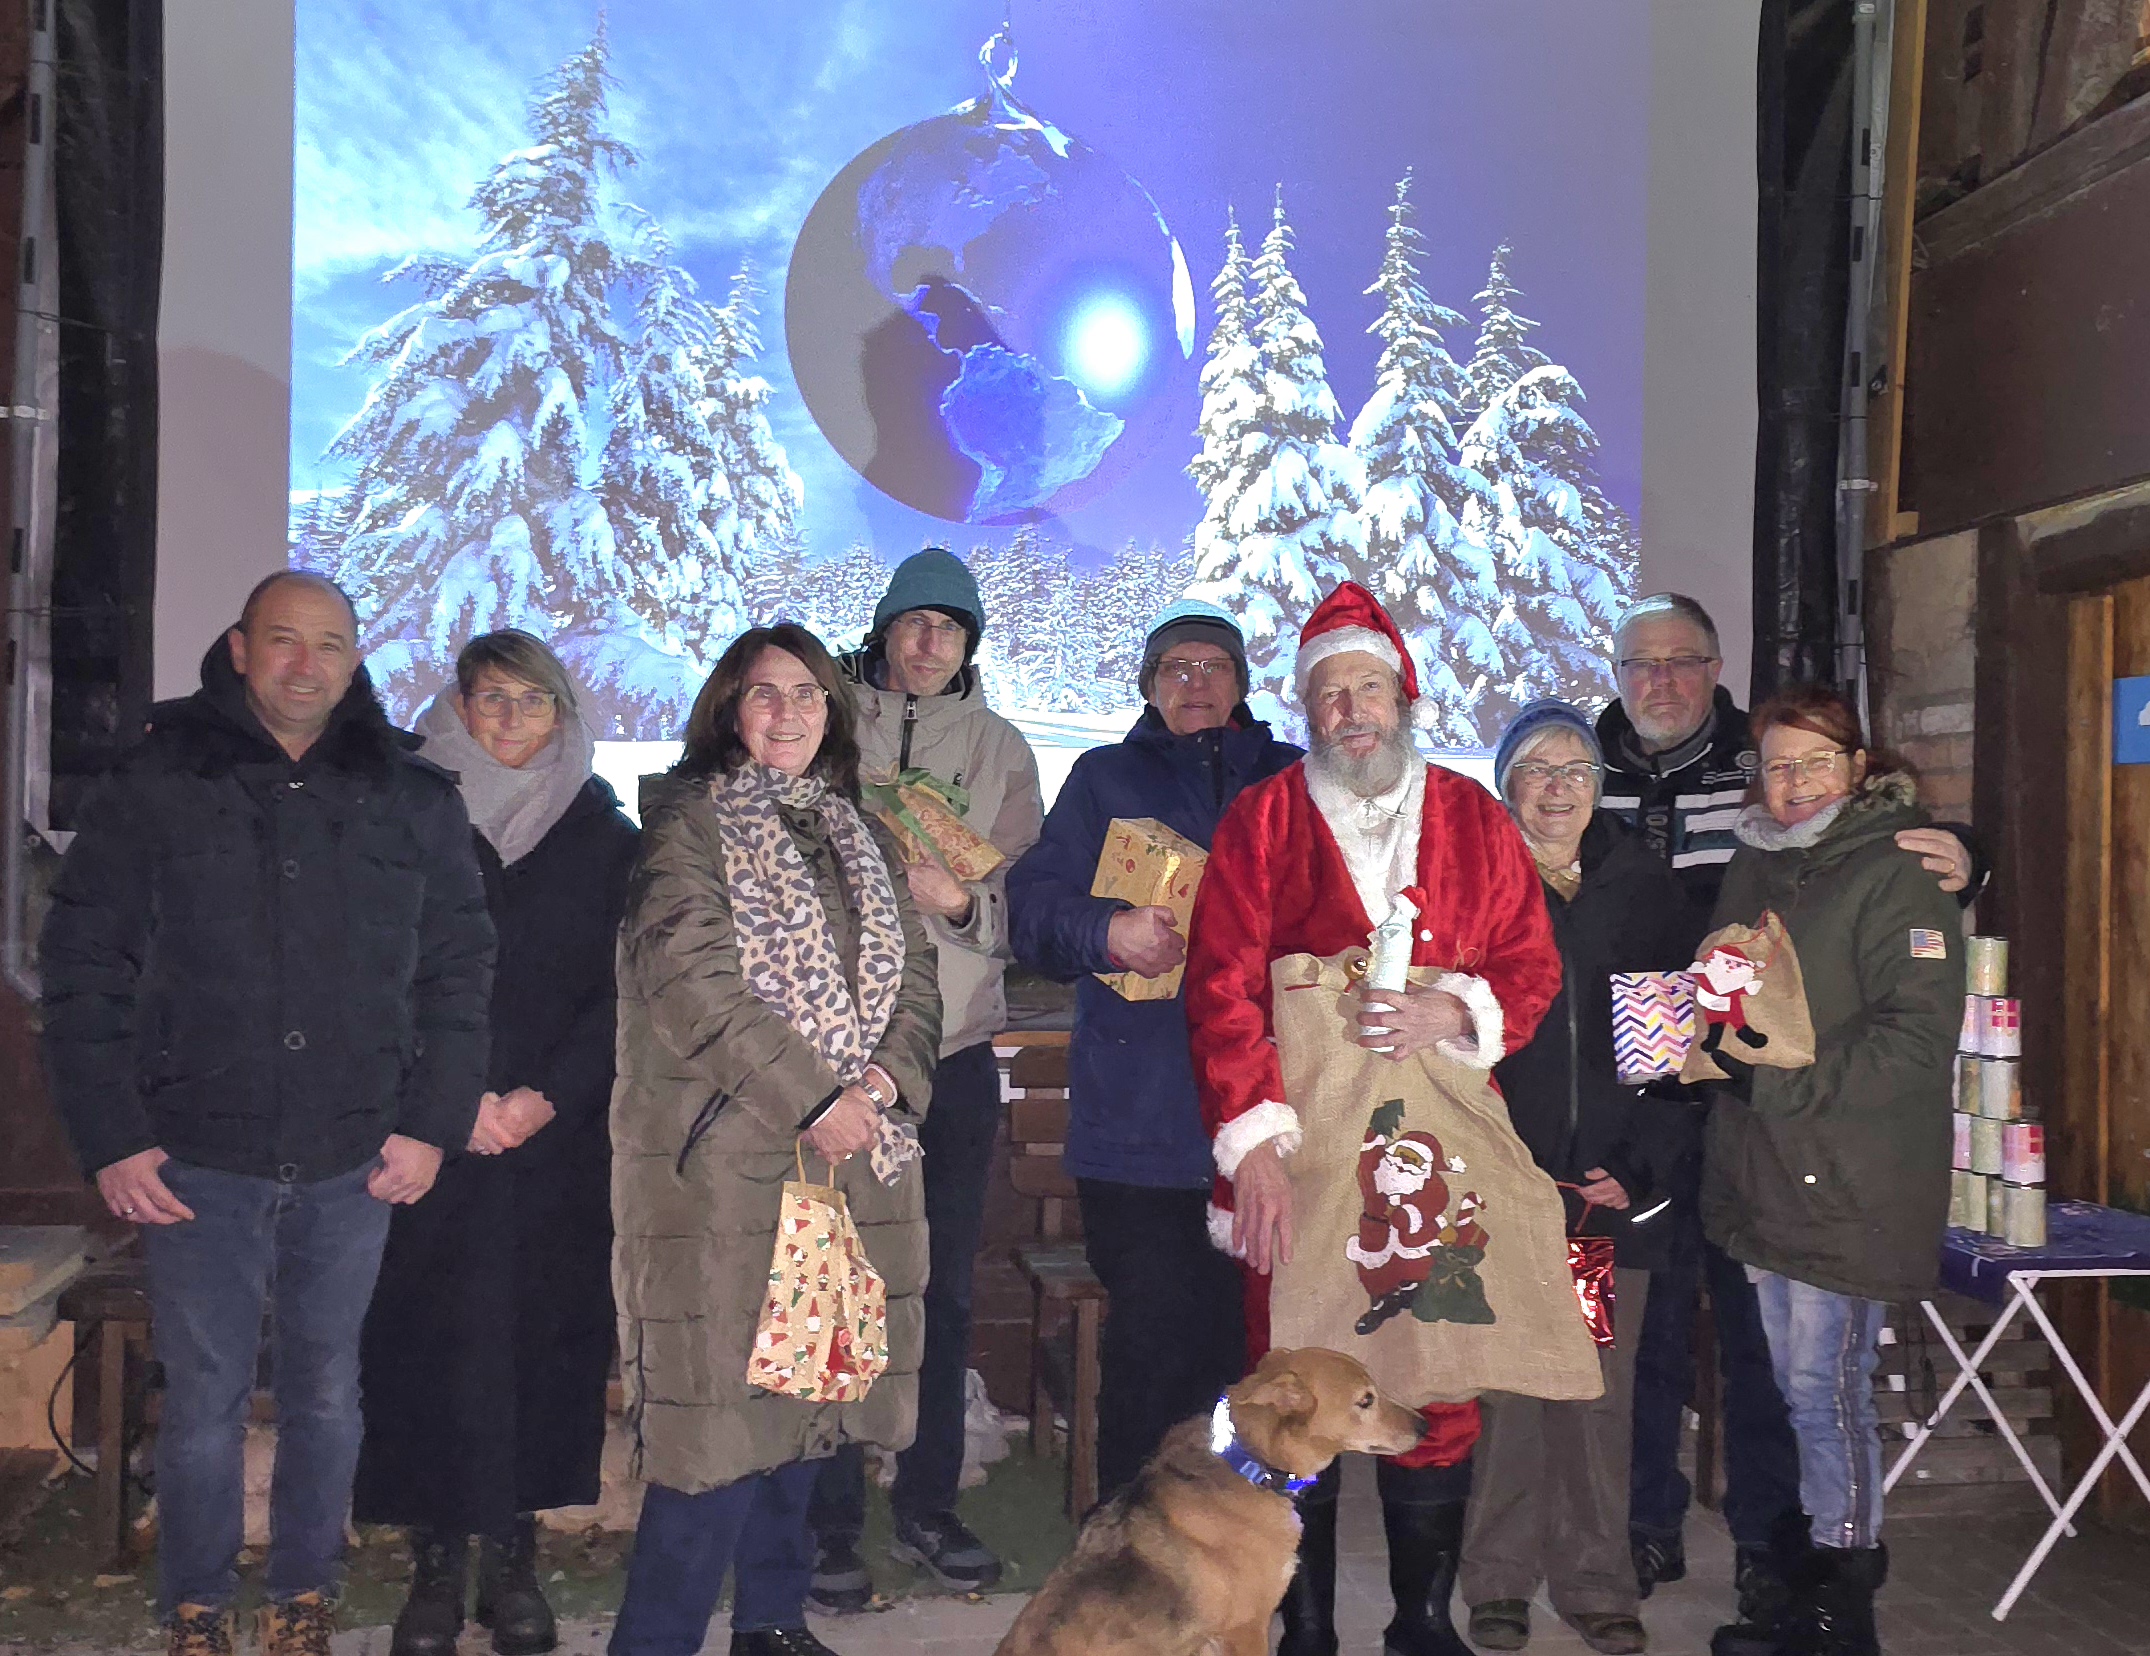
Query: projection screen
x,y
637,327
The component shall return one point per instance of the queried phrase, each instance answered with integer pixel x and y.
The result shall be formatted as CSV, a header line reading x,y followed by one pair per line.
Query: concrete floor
x,y
2092,1598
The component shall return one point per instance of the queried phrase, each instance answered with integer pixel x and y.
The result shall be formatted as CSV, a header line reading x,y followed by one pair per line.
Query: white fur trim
x,y
1340,641
1220,1231
1484,1049
1266,1121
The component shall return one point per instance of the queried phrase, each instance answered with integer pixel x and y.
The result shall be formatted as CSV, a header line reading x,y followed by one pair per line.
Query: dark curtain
x,y
1803,164
109,198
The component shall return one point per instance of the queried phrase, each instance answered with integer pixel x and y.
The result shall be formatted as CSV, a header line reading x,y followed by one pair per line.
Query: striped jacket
x,y
1682,803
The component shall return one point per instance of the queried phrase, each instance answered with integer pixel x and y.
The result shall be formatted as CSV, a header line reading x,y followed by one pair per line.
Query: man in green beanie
x,y
921,708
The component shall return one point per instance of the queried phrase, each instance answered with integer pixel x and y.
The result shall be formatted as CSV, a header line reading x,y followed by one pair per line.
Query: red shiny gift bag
x,y
1590,1261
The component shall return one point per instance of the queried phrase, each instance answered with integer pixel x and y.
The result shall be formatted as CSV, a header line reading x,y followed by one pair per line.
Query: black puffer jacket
x,y
267,966
1632,914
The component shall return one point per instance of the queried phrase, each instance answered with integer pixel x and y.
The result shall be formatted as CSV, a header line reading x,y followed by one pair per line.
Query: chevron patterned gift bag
x,y
1653,1023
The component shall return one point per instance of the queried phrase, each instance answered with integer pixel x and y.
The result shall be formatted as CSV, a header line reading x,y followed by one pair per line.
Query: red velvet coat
x,y
1277,885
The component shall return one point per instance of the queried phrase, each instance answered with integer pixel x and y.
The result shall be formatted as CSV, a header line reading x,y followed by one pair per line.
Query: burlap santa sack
x,y
1427,1243
1750,1001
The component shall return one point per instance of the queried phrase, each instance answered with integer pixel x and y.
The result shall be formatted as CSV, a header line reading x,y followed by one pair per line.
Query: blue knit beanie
x,y
1534,719
934,579
1192,620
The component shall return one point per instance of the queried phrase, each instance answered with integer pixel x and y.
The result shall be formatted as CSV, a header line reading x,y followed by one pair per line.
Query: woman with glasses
x,y
1829,1182
778,1000
1549,1489
486,1350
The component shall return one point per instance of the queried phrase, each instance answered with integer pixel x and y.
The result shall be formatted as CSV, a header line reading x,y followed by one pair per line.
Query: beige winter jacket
x,y
960,739
712,1085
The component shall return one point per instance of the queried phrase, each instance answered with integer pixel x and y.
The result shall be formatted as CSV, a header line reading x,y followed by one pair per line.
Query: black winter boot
x,y
1763,1577
1832,1612
1309,1606
1425,1546
510,1601
432,1616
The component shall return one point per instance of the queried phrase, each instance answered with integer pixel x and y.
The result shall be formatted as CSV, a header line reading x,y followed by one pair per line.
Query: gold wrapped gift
x,y
1145,863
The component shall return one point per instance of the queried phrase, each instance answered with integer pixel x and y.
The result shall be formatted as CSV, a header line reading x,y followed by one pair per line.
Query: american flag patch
x,y
1928,945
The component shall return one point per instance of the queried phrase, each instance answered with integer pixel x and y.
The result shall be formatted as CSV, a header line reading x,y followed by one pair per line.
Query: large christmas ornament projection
x,y
984,313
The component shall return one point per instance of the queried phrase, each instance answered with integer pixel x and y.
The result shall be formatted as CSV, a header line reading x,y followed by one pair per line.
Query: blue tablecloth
x,y
2080,1236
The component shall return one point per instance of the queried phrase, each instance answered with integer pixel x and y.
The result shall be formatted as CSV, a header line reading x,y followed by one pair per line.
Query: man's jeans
x,y
958,1136
309,1253
684,1544
1824,1346
1761,1457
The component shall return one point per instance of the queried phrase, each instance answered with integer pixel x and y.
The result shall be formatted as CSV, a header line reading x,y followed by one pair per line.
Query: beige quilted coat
x,y
712,1085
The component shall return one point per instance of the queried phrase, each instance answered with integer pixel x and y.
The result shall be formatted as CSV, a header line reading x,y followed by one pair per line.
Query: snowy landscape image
x,y
638,325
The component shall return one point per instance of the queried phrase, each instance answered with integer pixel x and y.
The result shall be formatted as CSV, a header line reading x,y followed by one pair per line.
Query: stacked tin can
x,y
1998,1177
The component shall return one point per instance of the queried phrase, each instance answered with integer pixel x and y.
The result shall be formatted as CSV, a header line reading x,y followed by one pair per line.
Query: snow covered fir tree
x,y
522,459
1290,528
1468,497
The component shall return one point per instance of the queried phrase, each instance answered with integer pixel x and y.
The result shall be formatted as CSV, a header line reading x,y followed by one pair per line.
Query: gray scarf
x,y
513,809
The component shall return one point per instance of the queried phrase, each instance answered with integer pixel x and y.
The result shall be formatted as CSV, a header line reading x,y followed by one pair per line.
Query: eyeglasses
x,y
1181,671
531,704
771,698
1581,774
1784,772
1642,669
929,626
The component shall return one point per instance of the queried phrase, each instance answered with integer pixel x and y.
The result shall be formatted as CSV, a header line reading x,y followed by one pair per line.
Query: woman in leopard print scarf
x,y
777,995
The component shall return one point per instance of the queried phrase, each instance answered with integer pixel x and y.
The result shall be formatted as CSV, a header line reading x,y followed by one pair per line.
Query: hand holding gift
x,y
1156,871
926,816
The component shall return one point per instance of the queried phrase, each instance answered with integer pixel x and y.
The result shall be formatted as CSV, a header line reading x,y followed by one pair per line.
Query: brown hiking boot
x,y
299,1626
197,1630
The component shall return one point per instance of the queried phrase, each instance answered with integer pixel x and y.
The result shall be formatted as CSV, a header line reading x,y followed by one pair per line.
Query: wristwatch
x,y
877,1086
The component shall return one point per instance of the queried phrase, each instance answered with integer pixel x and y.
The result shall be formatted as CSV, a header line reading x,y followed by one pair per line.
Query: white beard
x,y
1377,833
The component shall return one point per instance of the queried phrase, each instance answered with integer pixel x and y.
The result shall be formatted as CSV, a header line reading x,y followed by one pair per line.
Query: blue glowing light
x,y
1107,344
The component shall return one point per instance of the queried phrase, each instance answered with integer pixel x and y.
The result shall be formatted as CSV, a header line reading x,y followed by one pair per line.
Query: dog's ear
x,y
1280,1389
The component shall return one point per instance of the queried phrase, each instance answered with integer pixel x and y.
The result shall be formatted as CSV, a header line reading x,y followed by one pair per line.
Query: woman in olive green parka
x,y
1829,1181
777,997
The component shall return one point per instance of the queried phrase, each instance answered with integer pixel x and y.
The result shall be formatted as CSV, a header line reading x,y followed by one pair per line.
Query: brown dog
x,y
1194,1556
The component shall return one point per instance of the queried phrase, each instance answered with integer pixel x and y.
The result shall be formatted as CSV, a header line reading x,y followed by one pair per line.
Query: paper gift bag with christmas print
x,y
1750,1001
1427,1242
926,816
823,1335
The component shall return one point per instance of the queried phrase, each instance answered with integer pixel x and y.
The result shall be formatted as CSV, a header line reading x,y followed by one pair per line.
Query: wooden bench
x,y
109,1306
1063,1288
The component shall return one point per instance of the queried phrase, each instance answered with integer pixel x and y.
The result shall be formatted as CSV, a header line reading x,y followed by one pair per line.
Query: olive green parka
x,y
712,1086
1837,1174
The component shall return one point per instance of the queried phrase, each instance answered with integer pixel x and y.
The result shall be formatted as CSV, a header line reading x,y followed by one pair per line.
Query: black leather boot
x,y
1425,1546
1764,1578
510,1601
1832,1609
1309,1607
432,1616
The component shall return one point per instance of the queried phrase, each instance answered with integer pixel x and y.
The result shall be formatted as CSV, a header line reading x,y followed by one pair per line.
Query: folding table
x,y
2083,1241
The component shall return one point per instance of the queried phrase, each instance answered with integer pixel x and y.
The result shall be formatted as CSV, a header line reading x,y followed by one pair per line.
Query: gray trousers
x,y
1549,1486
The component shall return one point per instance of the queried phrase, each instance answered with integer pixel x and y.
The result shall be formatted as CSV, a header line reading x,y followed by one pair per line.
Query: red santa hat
x,y
1351,618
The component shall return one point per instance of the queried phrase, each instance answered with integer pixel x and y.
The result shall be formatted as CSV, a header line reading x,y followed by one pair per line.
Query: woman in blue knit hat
x,y
1549,1493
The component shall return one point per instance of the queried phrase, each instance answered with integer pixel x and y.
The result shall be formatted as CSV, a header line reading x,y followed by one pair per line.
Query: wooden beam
x,y
1900,190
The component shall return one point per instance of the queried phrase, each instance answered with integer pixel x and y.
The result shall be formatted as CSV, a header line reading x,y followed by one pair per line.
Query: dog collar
x,y
1225,1445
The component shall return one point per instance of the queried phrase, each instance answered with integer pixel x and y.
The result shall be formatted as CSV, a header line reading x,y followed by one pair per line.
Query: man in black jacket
x,y
1678,765
267,967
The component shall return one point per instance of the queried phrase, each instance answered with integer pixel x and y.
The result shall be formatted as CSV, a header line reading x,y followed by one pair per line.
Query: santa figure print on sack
x,y
1413,1254
1724,979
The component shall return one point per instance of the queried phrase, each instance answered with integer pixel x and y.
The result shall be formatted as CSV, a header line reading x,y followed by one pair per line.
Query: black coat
x,y
486,1349
261,965
1631,914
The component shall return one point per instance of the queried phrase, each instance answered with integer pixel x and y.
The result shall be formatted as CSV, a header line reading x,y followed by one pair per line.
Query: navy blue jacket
x,y
1134,1118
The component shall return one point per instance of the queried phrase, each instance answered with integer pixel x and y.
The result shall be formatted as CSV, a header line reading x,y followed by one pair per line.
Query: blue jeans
x,y
1824,1346
309,1254
958,1135
684,1544
1761,1458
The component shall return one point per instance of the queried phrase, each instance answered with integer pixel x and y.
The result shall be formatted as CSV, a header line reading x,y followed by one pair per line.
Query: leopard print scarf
x,y
786,946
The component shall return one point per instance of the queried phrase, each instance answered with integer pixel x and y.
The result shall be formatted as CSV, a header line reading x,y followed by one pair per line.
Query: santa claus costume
x,y
1303,865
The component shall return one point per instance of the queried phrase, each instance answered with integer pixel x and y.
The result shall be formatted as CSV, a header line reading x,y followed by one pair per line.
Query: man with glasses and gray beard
x,y
1307,863
1678,767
